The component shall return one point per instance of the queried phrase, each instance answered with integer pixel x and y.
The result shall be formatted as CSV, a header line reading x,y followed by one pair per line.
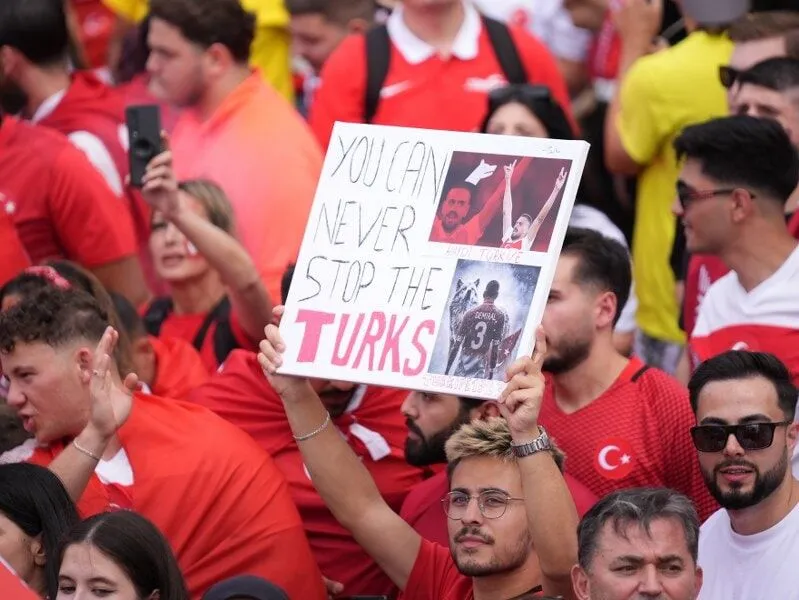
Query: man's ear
x,y
485,411
37,551
156,595
84,358
582,588
357,26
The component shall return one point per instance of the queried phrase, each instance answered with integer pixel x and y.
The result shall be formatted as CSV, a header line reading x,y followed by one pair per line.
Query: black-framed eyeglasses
x,y
524,92
728,76
492,504
750,436
687,195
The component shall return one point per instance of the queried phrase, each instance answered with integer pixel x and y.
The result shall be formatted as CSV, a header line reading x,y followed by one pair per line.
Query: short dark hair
x,y
526,216
52,316
340,12
779,74
37,28
763,25
637,506
137,547
34,499
492,289
740,364
209,22
601,262
128,316
746,151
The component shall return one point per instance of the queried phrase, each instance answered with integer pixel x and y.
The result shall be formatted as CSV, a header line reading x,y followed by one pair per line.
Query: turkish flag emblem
x,y
614,458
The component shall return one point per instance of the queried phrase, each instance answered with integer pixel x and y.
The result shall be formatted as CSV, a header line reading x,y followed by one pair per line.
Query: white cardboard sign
x,y
428,257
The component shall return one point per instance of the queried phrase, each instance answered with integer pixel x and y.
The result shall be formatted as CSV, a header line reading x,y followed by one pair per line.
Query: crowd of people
x,y
150,450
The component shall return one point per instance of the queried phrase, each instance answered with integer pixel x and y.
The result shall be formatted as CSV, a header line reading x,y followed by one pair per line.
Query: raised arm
x,y
544,212
246,291
356,504
507,200
551,513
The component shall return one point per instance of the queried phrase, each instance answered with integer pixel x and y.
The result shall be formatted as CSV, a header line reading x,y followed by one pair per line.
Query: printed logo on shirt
x,y
521,18
395,89
8,205
485,85
614,458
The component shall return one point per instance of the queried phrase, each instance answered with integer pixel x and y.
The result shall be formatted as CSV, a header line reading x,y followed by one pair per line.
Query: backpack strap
x,y
637,375
378,56
156,314
505,48
218,314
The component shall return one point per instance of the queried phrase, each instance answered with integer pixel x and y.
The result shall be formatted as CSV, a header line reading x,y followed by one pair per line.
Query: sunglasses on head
x,y
729,76
750,436
522,91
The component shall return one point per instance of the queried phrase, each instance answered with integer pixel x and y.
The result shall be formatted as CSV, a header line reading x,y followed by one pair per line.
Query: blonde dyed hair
x,y
213,200
489,437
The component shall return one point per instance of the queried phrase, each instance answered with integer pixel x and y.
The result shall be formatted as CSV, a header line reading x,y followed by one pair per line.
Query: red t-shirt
x,y
468,233
178,368
793,225
636,434
703,270
13,257
61,206
422,508
12,586
449,94
214,494
96,28
240,394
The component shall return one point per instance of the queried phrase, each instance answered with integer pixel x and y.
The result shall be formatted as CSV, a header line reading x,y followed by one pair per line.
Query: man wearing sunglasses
x,y
745,404
737,174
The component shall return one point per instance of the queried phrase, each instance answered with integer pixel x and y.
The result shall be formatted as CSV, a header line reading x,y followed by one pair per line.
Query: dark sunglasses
x,y
687,195
518,91
750,436
728,76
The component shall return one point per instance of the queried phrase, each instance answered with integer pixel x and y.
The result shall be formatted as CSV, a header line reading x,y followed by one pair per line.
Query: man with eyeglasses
x,y
745,404
737,173
512,525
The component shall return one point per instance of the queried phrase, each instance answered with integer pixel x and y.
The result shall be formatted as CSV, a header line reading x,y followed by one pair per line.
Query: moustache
x,y
735,462
452,214
474,532
414,428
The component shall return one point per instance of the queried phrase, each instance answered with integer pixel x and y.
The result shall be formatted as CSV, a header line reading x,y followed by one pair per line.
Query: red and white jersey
x,y
766,319
523,243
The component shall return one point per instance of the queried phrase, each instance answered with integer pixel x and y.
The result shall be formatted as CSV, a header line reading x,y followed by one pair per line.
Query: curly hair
x,y
489,437
53,316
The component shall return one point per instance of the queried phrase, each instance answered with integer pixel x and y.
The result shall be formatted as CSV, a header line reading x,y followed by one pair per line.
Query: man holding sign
x,y
517,538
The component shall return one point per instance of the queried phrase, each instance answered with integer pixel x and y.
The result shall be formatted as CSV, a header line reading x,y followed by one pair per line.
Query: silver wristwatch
x,y
539,444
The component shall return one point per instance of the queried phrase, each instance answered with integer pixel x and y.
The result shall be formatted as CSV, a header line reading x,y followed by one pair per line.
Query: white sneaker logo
x,y
394,89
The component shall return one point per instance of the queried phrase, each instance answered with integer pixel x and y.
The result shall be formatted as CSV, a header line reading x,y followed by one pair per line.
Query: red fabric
x,y
61,206
136,91
185,327
241,394
12,586
91,106
435,576
217,497
637,434
438,96
422,508
467,234
179,368
605,54
793,225
13,257
702,271
96,28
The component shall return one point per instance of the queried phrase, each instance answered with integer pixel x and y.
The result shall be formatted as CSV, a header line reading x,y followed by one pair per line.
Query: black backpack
x,y
224,340
378,54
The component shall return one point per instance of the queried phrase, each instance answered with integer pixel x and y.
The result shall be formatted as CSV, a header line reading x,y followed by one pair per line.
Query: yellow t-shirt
x,y
270,49
662,94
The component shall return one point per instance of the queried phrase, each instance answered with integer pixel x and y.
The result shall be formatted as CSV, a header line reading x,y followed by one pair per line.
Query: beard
x,y
469,567
424,451
571,351
737,499
13,99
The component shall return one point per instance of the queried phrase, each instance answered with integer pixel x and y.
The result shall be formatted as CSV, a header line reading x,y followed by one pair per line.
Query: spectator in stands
x,y
235,130
224,508
216,300
531,111
126,553
640,543
621,423
550,22
62,207
269,50
168,366
245,586
655,100
511,517
430,66
370,421
13,257
319,26
432,419
745,404
35,514
737,175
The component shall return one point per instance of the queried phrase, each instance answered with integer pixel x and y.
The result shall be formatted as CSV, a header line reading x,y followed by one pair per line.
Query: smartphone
x,y
144,135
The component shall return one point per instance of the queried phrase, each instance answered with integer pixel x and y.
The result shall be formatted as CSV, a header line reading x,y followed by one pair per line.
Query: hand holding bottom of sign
x,y
520,401
270,358
482,171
